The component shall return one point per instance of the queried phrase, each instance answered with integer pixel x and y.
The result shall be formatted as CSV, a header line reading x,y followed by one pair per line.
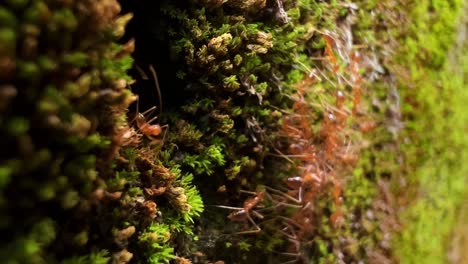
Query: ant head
x,y
355,56
331,117
294,182
339,94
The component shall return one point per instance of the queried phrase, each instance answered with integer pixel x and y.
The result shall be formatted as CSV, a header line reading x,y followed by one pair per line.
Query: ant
x,y
294,251
242,214
329,42
144,76
348,157
356,79
143,125
304,187
337,217
146,127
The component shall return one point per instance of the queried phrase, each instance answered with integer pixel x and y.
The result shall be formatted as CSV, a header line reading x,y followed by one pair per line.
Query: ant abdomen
x,y
294,182
238,216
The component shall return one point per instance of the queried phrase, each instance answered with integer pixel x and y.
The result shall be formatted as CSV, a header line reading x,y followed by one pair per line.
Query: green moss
x,y
238,70
155,239
426,166
437,152
58,139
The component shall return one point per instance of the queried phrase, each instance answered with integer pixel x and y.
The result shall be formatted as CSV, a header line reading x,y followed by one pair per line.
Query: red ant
x,y
329,131
348,157
337,217
300,185
356,80
294,250
144,76
299,227
340,112
367,126
146,127
340,99
329,42
290,130
143,125
242,214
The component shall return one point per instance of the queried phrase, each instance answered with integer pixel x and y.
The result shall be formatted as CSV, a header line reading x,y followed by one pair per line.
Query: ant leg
x,y
279,201
249,192
142,73
137,108
165,132
281,155
296,200
326,78
159,141
295,260
336,110
158,89
227,207
149,111
297,256
256,230
291,237
278,205
290,221
288,254
288,205
258,215
152,119
144,76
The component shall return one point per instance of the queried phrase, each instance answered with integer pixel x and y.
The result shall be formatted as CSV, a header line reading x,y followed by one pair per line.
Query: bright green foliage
x,y
193,198
147,184
205,162
155,242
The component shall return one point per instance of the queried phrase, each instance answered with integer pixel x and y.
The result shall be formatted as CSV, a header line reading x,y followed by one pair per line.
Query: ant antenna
x,y
138,104
158,89
156,82
141,72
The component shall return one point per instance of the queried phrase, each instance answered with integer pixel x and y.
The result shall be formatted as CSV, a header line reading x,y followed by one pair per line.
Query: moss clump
x,y
414,166
267,108
228,78
61,99
436,150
